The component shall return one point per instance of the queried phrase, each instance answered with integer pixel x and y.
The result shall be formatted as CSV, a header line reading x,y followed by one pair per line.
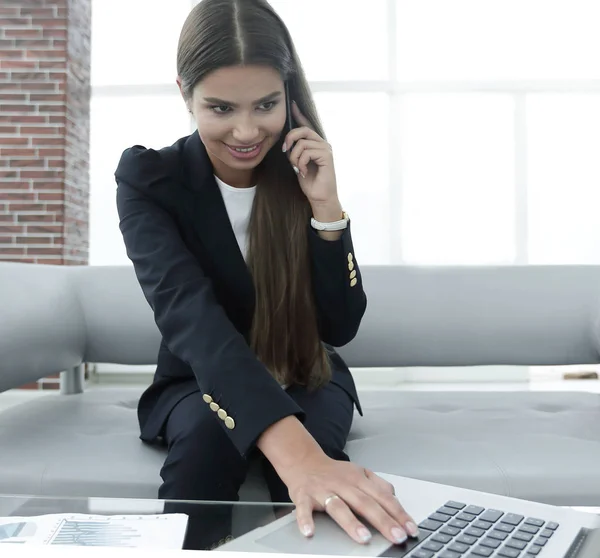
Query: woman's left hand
x,y
312,156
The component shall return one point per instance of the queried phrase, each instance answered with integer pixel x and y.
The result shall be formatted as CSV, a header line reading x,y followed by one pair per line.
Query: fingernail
x,y
302,175
296,170
399,535
412,529
307,531
363,534
284,148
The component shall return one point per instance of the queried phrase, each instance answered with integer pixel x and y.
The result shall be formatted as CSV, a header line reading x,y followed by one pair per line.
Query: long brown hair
x,y
284,334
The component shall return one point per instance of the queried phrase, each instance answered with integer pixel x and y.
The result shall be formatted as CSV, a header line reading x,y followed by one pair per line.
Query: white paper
x,y
132,531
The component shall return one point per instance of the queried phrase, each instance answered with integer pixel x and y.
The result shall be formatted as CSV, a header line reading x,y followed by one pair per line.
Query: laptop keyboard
x,y
458,530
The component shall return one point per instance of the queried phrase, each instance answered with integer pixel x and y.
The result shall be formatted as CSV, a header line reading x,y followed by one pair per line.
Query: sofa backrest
x,y
56,317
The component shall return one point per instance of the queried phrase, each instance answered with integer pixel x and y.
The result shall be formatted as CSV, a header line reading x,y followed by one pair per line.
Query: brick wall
x,y
44,133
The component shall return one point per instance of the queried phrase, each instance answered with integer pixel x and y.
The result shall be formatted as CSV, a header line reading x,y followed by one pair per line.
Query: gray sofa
x,y
543,446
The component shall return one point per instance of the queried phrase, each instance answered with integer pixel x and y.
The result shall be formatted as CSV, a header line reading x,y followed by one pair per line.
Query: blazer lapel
x,y
211,221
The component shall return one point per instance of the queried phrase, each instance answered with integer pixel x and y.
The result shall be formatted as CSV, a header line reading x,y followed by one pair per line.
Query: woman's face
x,y
240,113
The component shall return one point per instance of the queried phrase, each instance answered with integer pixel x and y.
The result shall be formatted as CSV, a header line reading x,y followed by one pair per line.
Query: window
x,y
134,42
457,167
150,121
464,132
356,125
338,40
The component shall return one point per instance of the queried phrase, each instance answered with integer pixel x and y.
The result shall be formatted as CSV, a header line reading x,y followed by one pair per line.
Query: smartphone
x,y
288,105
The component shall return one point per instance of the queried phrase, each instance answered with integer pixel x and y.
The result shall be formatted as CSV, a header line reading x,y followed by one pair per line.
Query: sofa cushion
x,y
542,446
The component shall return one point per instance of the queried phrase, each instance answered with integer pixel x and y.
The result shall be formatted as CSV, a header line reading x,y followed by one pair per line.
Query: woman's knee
x,y
202,462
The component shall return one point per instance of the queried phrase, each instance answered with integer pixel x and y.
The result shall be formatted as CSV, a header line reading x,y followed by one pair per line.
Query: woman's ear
x,y
187,104
178,81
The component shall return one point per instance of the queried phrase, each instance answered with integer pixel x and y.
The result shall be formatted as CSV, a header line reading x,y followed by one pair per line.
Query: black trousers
x,y
203,464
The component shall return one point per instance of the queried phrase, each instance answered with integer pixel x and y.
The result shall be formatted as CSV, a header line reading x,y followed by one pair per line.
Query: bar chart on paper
x,y
94,533
166,531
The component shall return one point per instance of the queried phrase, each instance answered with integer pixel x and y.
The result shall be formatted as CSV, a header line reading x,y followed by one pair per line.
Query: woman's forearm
x,y
286,443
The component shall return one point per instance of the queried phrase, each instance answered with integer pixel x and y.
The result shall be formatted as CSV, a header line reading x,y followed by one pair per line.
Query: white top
x,y
238,202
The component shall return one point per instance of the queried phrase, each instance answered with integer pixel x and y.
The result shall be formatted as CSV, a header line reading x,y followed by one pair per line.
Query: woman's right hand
x,y
343,489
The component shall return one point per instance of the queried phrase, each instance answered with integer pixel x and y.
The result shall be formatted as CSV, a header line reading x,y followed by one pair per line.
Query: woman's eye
x,y
222,109
267,106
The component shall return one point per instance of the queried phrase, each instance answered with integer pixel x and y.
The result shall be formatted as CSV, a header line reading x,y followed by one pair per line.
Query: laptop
x,y
453,523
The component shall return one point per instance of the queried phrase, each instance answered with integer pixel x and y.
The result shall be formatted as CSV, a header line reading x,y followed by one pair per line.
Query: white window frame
x,y
397,91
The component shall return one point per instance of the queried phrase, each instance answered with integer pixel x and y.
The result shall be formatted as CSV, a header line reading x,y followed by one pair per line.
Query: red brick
x,y
50,197
6,240
13,141
10,86
21,196
30,76
45,251
21,163
41,218
13,251
46,141
54,33
12,53
8,129
7,219
22,152
17,108
42,174
49,185
4,229
14,185
18,64
8,173
34,240
10,11
37,12
19,97
57,119
52,108
51,152
50,53
23,119
22,33
53,23
40,130
42,229
27,207
13,21
38,86
51,65
33,44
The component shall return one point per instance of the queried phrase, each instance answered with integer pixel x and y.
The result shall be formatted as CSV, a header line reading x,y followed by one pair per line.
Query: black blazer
x,y
178,235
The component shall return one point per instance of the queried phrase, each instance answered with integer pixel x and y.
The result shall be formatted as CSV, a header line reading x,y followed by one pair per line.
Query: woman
x,y
241,247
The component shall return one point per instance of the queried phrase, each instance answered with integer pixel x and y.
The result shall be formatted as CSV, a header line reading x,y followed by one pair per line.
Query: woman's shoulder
x,y
143,167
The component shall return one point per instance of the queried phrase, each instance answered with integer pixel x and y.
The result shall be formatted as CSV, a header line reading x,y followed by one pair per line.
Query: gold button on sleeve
x,y
214,407
207,398
353,282
350,266
353,274
222,414
230,423
350,257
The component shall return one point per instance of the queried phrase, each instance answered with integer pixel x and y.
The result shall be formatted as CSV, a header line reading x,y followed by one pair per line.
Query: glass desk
x,y
209,525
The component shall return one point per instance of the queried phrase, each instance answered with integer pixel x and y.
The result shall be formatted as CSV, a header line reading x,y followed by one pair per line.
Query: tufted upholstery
x,y
540,446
